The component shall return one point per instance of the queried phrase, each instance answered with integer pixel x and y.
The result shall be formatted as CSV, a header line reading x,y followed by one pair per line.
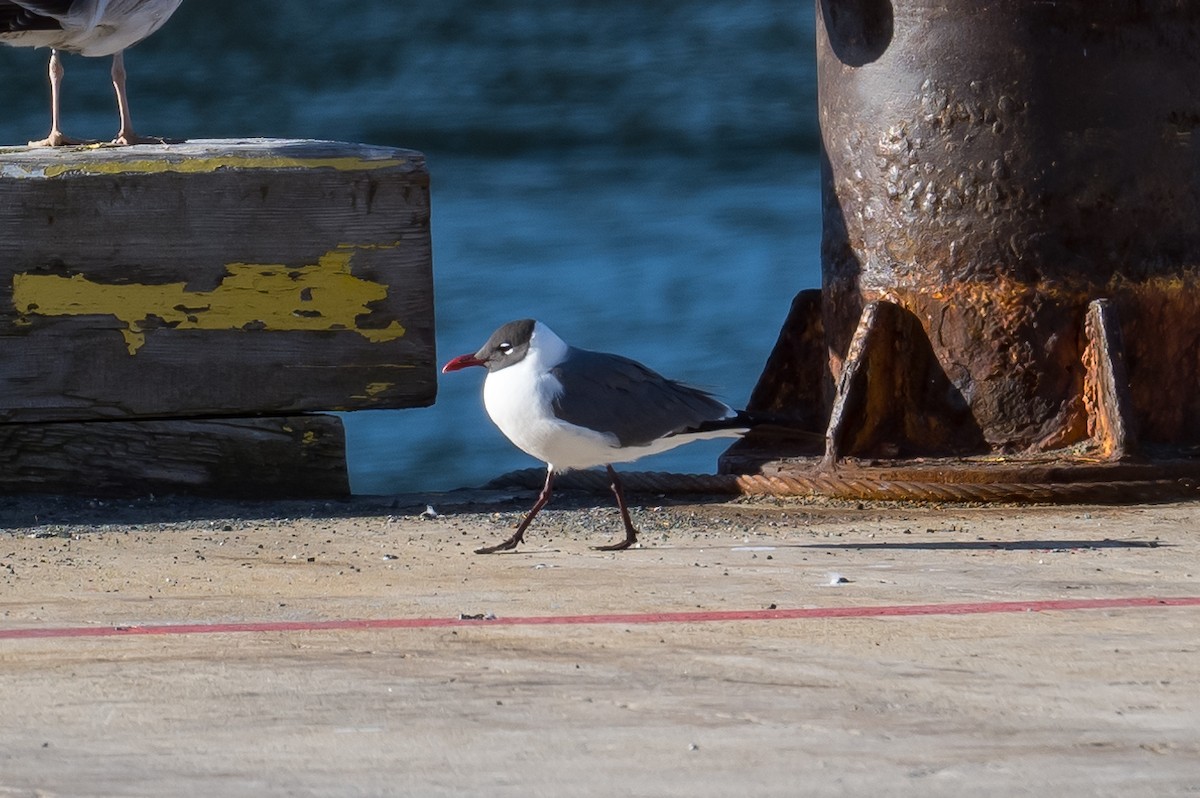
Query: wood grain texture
x,y
262,458
214,278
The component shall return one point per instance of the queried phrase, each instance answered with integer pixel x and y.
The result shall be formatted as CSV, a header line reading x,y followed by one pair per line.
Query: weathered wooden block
x,y
213,278
266,458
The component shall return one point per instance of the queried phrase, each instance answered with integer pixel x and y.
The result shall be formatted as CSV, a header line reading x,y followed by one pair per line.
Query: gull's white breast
x,y
519,399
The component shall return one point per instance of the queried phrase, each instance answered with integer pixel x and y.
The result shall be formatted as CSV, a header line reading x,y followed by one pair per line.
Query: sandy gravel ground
x,y
1060,702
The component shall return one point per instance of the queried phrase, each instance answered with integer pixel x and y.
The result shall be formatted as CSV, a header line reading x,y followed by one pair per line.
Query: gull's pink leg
x,y
126,136
56,137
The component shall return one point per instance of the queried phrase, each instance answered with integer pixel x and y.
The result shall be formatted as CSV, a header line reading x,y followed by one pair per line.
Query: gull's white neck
x,y
546,350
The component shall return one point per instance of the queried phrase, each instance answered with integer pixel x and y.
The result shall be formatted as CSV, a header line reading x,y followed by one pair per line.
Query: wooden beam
x,y
213,278
261,458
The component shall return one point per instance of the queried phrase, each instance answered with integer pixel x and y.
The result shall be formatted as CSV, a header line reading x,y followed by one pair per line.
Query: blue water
x,y
640,176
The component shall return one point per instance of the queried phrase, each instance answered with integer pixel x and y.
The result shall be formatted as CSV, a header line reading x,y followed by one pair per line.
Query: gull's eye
x,y
505,348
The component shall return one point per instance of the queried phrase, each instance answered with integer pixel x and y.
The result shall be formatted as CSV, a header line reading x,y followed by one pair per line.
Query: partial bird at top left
x,y
89,28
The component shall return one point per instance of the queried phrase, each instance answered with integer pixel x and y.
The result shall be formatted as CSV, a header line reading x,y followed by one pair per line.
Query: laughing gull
x,y
90,28
573,408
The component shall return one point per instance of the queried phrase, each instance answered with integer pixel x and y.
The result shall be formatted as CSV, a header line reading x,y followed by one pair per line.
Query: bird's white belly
x,y
519,403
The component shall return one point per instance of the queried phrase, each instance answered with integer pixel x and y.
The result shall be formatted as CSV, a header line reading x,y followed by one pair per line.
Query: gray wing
x,y
614,394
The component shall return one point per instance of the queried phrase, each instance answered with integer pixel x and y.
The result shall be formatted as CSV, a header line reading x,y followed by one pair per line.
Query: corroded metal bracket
x,y
896,420
893,398
1010,256
1111,426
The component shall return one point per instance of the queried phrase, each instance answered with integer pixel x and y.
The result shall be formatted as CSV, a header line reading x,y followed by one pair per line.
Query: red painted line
x,y
627,619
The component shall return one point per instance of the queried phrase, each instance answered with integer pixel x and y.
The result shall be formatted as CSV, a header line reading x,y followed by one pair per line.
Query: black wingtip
x,y
778,423
14,19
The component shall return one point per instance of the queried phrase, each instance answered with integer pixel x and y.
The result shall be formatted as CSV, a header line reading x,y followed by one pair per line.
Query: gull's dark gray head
x,y
506,347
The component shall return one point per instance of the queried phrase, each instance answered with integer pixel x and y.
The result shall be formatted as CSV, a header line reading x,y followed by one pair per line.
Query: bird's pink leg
x,y
630,532
56,137
126,136
518,536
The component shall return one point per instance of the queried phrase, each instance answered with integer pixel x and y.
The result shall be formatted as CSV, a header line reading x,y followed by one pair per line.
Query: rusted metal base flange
x,y
1053,479
899,428
928,481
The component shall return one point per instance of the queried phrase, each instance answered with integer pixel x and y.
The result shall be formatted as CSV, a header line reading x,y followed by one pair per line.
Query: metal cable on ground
x,y
849,487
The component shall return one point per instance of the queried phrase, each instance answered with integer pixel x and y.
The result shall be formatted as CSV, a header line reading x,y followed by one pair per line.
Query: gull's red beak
x,y
461,362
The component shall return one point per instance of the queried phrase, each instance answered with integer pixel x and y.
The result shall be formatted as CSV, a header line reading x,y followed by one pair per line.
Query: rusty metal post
x,y
1008,187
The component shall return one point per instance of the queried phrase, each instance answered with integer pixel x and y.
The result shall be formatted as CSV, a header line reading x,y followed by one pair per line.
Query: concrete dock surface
x,y
750,647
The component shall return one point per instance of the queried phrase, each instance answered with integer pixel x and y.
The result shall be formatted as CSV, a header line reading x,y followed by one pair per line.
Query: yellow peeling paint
x,y
373,390
321,297
207,165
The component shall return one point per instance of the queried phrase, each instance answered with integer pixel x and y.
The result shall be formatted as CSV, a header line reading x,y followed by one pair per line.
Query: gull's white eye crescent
x,y
505,348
